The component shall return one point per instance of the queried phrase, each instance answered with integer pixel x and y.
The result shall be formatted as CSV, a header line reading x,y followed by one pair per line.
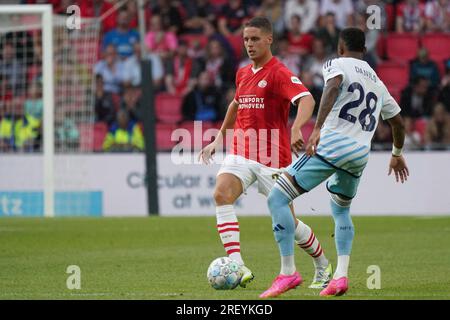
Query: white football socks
x,y
306,240
342,267
228,227
287,265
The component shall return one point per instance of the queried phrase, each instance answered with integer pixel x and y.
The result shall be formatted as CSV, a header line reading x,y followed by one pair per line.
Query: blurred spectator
x,y
329,33
122,37
230,93
424,67
244,62
203,102
444,93
232,17
308,81
124,135
210,30
27,133
273,10
291,60
12,71
413,140
372,36
437,16
170,15
132,8
67,136
417,99
8,122
314,62
181,72
410,16
219,68
111,69
60,7
131,103
132,69
199,12
97,8
382,139
438,128
34,106
299,42
307,10
159,41
105,110
342,9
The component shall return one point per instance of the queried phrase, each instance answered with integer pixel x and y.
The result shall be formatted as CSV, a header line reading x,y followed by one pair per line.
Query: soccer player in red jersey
x,y
261,148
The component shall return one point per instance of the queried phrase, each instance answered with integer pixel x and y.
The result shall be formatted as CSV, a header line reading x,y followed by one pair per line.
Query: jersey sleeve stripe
x,y
301,94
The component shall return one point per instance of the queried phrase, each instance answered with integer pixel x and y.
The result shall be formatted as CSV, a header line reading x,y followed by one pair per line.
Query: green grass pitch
x,y
167,258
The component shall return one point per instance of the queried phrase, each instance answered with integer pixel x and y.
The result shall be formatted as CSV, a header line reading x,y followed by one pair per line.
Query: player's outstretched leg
x,y
343,233
283,225
228,189
307,240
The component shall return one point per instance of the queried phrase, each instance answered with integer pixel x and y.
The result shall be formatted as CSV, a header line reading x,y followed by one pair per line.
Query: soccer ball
x,y
224,274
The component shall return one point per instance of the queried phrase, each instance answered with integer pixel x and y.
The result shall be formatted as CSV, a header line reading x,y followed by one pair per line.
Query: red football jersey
x,y
264,96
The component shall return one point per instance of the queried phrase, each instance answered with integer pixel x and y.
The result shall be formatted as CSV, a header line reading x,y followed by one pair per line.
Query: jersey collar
x,y
269,63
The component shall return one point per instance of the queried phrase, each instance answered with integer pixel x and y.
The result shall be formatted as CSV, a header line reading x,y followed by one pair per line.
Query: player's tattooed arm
x,y
398,163
329,96
207,152
398,130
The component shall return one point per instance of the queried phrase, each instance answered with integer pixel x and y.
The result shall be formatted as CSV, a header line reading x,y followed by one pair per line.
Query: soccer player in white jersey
x,y
264,91
337,150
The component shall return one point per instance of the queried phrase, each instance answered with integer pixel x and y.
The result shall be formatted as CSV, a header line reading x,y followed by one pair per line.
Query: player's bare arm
x,y
329,96
206,153
398,163
304,112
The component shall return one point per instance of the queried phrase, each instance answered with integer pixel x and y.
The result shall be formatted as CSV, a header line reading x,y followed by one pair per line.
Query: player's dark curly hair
x,y
261,23
354,39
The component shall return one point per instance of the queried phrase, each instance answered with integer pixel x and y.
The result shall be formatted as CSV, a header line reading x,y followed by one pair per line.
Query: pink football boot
x,y
336,287
281,284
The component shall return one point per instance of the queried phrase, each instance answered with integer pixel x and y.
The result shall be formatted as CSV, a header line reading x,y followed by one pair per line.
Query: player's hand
x,y
398,165
206,154
297,141
313,141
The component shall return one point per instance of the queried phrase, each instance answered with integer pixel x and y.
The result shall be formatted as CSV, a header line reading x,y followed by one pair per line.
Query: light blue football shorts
x,y
309,172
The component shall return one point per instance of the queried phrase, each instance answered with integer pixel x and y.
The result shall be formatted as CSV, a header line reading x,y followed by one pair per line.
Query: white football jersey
x,y
346,135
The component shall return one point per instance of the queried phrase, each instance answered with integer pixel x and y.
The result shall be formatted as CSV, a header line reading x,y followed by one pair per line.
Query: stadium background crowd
x,y
195,47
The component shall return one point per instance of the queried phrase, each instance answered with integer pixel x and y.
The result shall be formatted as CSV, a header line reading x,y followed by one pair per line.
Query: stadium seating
x,y
163,136
92,136
196,136
420,125
168,108
390,16
394,75
438,46
381,47
401,47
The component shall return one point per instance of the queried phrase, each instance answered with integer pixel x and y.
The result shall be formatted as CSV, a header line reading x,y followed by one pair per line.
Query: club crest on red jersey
x,y
262,84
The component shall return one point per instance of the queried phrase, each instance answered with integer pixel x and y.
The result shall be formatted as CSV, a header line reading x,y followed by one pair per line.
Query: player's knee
x,y
340,200
223,196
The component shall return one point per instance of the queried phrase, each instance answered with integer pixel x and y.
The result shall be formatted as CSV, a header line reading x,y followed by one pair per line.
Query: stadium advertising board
x,y
114,185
